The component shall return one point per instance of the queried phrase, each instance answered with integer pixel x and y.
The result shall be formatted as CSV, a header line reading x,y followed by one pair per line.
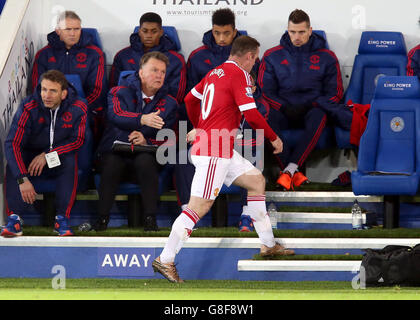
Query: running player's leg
x,y
208,179
242,173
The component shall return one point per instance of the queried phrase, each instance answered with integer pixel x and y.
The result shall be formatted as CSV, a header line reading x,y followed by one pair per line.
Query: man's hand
x,y
191,136
152,120
27,191
37,164
137,138
277,145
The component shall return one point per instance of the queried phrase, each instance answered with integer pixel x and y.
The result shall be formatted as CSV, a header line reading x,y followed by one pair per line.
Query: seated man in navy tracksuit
x,y
413,66
71,51
151,37
137,110
50,122
300,79
215,50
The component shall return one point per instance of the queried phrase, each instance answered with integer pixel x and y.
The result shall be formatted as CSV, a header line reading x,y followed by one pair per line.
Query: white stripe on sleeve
x,y
196,94
247,106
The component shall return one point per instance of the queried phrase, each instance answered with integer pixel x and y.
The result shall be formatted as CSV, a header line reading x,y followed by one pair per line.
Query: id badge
x,y
52,159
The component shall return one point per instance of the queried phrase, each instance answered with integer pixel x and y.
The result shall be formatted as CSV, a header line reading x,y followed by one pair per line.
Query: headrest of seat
x,y
323,35
95,36
397,87
171,32
382,42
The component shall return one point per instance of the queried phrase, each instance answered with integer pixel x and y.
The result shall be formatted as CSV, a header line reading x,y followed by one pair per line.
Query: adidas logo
x,y
207,61
381,280
285,62
131,61
52,59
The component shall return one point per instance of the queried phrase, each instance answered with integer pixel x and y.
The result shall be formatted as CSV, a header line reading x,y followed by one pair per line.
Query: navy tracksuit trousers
x,y
65,177
312,122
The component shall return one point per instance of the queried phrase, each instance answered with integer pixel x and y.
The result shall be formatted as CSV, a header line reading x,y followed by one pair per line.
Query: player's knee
x,y
257,184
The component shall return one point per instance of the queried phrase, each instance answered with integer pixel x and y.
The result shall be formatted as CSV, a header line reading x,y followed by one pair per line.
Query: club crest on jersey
x,y
218,72
216,192
248,92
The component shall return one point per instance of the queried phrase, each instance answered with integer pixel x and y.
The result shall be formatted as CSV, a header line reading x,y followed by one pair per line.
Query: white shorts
x,y
212,172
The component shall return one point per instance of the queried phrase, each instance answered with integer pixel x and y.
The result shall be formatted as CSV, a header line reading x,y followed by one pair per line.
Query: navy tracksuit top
x,y
129,58
306,75
30,130
206,58
413,65
125,108
83,59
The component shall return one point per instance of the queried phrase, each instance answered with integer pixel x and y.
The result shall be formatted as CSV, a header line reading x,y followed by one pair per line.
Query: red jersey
x,y
225,92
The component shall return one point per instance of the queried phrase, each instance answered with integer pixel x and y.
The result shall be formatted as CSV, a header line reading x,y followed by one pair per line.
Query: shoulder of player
x,y
79,106
169,99
176,56
95,50
414,51
195,53
43,52
122,52
236,71
328,53
121,92
273,51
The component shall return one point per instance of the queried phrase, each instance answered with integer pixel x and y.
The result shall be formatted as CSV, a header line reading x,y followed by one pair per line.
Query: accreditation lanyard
x,y
52,126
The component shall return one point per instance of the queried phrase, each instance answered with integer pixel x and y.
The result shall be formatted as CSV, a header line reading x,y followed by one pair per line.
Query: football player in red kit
x,y
215,107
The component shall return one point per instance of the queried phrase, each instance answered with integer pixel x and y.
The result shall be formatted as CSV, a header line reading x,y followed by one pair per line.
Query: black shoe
x,y
150,224
101,224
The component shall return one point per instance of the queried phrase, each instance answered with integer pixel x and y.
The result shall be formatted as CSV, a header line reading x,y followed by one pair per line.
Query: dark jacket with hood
x,y
301,76
29,132
83,59
206,58
129,59
125,109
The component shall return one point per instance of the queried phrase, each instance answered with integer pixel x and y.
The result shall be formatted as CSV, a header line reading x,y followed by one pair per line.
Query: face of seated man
x,y
223,35
69,31
152,76
52,94
299,33
150,33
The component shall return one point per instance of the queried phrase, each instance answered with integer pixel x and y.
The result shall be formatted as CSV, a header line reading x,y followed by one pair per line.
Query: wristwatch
x,y
21,180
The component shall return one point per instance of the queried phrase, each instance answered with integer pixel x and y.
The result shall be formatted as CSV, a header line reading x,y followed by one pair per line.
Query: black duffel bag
x,y
392,265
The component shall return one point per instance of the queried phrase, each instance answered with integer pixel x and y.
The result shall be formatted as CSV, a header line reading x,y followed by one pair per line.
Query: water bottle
x,y
272,213
356,216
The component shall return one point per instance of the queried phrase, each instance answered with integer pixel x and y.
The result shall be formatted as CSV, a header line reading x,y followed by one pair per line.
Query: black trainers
x,y
150,224
101,224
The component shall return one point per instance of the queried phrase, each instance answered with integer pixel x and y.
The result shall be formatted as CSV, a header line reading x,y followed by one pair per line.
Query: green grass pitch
x,y
156,289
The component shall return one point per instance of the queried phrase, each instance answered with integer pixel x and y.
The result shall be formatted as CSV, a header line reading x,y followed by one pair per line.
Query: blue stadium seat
x,y
170,32
391,141
380,54
322,34
327,138
75,81
95,36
